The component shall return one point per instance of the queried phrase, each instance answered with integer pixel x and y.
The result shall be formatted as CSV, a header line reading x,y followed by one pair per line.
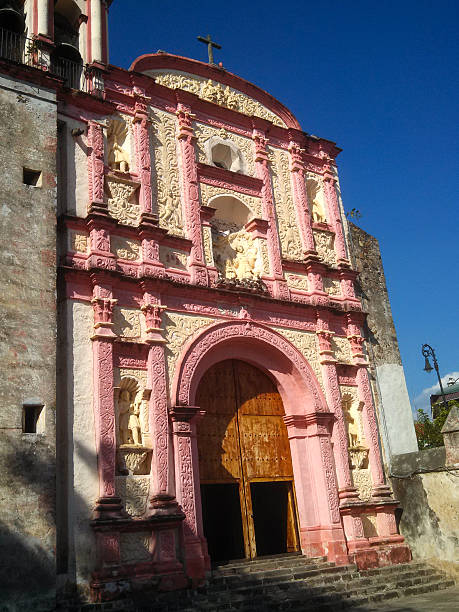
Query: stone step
x,y
266,563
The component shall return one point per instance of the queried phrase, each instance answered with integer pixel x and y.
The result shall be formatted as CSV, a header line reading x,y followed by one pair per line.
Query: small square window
x,y
30,417
31,177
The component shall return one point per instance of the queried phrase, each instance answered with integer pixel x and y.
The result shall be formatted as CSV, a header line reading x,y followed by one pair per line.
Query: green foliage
x,y
354,214
428,431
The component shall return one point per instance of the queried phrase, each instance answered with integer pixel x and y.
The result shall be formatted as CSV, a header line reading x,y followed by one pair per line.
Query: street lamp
x,y
427,351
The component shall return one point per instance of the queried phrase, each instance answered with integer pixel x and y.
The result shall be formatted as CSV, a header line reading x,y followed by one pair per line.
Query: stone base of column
x,y
109,508
324,542
164,504
379,554
348,495
382,493
195,561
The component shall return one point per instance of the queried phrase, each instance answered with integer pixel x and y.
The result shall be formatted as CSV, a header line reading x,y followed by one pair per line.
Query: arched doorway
x,y
245,466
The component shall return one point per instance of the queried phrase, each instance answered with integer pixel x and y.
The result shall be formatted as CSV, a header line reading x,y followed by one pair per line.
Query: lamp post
x,y
427,352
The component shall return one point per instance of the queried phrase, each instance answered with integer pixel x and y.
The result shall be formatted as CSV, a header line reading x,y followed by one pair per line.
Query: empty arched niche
x,y
230,210
223,153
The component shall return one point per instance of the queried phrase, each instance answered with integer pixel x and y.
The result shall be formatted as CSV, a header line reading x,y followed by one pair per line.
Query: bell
x,y
427,366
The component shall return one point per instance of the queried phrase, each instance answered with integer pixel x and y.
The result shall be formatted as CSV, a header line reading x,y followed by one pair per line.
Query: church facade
x,y
214,394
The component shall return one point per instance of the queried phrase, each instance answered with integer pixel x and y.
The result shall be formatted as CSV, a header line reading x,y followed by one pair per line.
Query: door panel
x,y
243,439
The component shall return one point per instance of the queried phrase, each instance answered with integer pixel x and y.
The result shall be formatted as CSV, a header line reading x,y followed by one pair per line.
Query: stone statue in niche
x,y
129,422
358,451
315,201
118,152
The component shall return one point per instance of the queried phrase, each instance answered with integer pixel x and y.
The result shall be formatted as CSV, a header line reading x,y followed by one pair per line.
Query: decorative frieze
x,y
173,258
125,248
342,350
122,200
217,93
78,242
134,492
324,242
306,343
332,286
127,324
297,280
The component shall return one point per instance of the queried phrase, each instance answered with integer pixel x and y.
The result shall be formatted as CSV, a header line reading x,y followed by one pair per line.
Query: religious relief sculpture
x,y
118,145
324,242
132,450
358,451
316,200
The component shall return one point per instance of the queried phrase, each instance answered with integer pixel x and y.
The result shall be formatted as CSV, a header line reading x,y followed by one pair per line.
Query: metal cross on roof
x,y
210,43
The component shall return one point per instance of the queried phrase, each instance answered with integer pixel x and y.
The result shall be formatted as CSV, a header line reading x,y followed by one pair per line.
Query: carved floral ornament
x,y
217,93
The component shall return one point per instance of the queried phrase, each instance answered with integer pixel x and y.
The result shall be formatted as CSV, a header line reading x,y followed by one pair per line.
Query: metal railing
x,y
22,50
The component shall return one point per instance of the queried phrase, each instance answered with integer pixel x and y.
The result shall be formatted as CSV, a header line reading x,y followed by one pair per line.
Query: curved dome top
x,y
214,84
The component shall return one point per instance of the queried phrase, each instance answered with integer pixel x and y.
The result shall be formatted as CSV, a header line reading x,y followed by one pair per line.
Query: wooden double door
x,y
245,464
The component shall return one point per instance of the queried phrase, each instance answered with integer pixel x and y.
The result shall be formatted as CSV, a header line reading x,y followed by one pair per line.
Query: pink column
x,y
300,198
96,167
184,419
334,213
191,195
274,249
321,531
142,147
108,505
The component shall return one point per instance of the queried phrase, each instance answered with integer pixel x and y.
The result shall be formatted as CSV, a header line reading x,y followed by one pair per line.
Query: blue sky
x,y
381,79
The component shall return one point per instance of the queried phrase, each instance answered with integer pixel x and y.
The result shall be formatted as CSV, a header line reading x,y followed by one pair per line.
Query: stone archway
x,y
308,422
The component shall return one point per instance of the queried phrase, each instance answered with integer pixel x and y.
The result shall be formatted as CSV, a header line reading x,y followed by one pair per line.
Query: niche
x,y
118,149
32,417
223,153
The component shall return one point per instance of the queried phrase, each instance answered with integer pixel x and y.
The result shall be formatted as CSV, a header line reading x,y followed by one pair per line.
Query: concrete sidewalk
x,y
437,601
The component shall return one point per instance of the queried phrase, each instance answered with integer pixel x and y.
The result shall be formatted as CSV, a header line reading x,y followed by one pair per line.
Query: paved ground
x,y
438,601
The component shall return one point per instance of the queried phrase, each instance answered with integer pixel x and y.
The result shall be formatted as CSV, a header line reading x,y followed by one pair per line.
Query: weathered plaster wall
x,y
430,503
28,338
393,404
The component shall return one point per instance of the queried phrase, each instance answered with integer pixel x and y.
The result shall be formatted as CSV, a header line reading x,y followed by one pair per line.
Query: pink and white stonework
x,y
213,229
198,223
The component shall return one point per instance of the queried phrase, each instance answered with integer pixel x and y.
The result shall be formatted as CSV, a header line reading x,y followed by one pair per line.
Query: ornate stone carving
x,y
132,416
135,547
236,255
127,323
122,200
79,243
285,209
209,191
316,198
324,242
173,258
297,280
166,185
327,462
218,94
134,491
125,248
207,244
204,132
119,154
306,343
178,329
362,482
342,350
331,286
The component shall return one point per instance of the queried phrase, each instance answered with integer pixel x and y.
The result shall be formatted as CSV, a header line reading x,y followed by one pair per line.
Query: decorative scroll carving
x,y
324,242
157,366
297,281
119,154
127,323
218,94
285,209
207,244
79,243
96,163
362,482
125,248
306,343
204,132
209,191
135,547
342,350
331,286
178,329
122,200
316,198
332,493
134,492
166,175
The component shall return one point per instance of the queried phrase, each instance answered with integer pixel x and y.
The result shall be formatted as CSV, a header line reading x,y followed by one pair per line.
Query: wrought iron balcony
x,y
22,50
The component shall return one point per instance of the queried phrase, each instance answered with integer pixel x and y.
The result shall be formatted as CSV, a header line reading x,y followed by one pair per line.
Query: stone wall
x,y
28,334
428,492
392,401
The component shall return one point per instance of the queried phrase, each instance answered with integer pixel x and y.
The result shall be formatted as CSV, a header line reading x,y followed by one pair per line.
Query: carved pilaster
x,y
300,198
184,419
96,168
150,235
100,255
334,213
108,505
143,158
191,195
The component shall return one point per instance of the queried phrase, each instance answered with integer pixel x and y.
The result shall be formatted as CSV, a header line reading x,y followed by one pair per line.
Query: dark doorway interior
x,y
221,514
270,516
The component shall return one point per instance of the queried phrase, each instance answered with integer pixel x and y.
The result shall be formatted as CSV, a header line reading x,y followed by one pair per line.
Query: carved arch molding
x,y
258,345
